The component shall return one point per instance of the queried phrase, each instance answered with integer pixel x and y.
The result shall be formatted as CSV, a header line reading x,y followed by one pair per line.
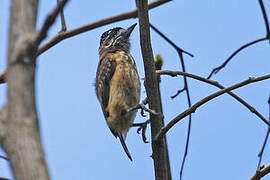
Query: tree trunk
x,y
21,139
160,152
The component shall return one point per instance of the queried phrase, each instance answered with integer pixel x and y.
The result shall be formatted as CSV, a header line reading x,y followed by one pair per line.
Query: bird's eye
x,y
108,43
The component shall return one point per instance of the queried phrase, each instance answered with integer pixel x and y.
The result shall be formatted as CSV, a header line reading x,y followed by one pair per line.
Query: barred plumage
x,y
117,82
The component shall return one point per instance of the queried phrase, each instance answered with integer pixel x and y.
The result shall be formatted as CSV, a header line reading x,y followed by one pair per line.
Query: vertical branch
x,y
22,141
159,148
180,53
63,22
190,117
265,19
177,48
165,138
265,140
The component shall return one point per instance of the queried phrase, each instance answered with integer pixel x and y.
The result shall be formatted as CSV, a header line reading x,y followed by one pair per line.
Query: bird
x,y
117,82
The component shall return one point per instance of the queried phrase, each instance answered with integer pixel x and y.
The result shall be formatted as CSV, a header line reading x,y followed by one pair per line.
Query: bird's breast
x,y
125,79
124,92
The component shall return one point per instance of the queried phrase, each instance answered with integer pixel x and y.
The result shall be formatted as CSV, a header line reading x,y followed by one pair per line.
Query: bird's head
x,y
116,39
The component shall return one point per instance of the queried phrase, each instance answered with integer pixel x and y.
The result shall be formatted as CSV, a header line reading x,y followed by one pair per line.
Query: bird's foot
x,y
142,127
143,108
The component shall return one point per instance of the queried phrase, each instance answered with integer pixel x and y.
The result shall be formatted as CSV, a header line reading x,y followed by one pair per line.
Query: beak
x,y
129,30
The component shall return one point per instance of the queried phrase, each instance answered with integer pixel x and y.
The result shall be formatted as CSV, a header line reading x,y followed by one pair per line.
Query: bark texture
x,y
21,139
160,152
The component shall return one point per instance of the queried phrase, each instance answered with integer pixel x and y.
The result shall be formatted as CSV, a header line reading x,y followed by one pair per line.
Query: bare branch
x,y
160,157
4,157
217,69
261,173
67,34
22,141
193,108
265,140
180,53
50,20
267,37
63,22
179,92
215,83
265,19
64,35
169,41
185,88
190,116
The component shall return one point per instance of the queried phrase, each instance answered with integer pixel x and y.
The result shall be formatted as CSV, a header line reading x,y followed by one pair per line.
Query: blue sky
x,y
226,137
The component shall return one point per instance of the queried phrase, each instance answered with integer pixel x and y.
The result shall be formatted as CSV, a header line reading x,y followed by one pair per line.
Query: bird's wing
x,y
106,69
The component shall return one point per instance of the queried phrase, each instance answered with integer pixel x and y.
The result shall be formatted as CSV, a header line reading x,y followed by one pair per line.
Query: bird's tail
x,y
122,140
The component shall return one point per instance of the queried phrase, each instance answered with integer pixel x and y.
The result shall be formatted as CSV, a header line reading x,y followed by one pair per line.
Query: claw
x,y
142,127
142,113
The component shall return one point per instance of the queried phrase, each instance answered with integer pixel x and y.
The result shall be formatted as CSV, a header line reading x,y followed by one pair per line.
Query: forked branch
x,y
267,37
193,108
217,69
63,21
261,173
67,34
260,155
214,83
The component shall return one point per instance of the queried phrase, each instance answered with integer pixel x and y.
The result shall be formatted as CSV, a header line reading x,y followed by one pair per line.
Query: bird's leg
x,y
143,108
142,127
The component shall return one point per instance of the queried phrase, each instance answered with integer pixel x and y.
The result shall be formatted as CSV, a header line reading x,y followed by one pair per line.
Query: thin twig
x,y
67,34
193,108
267,37
175,73
64,35
215,83
4,157
49,21
179,92
265,19
169,41
190,116
63,22
180,52
261,173
217,69
265,140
